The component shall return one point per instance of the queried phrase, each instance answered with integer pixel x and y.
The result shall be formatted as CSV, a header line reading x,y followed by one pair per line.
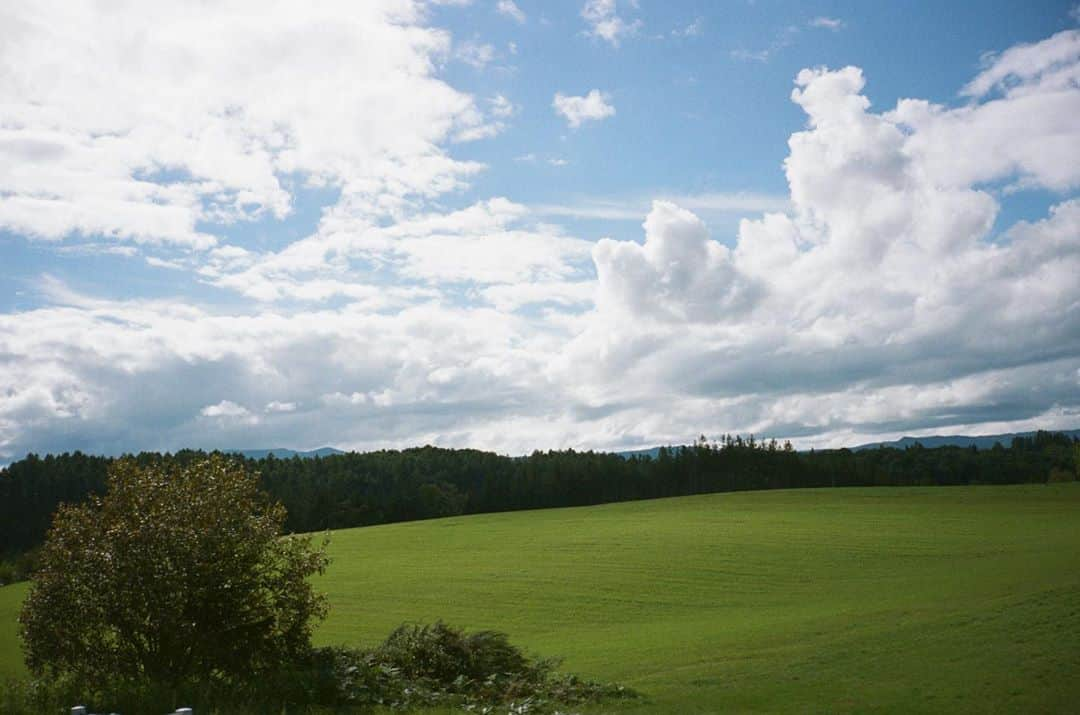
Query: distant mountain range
x,y
979,441
282,453
986,441
650,453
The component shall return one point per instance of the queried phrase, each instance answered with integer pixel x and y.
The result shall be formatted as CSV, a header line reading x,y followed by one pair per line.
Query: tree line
x,y
360,489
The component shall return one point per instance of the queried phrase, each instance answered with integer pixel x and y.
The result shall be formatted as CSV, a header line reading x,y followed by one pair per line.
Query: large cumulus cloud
x,y
677,275
882,302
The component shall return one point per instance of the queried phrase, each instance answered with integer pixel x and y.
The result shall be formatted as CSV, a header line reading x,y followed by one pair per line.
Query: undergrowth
x,y
416,667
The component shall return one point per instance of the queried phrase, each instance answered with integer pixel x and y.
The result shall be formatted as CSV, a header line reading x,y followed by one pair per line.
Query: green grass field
x,y
842,600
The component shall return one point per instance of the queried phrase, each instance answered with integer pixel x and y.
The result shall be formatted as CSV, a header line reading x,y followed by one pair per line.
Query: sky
x,y
517,225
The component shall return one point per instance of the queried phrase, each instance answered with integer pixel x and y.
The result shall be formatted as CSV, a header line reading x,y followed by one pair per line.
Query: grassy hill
x,y
963,599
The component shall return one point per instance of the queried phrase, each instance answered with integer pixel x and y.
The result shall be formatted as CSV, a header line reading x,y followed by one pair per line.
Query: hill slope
x,y
885,600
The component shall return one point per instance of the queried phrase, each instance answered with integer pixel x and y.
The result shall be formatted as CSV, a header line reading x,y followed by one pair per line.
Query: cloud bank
x,y
143,122
882,296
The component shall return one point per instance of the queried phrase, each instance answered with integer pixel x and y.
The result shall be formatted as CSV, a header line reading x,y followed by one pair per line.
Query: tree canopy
x,y
177,573
347,490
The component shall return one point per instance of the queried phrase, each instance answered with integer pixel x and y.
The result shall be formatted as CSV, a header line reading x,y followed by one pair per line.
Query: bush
x,y
176,575
434,666
18,568
441,666
1058,475
443,654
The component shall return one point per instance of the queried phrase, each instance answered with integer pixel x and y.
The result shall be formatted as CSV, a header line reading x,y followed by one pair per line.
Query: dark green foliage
x,y
19,568
416,667
442,655
347,490
442,666
178,574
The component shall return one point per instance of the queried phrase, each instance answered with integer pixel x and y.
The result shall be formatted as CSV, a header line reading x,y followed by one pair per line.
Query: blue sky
x,y
517,225
692,115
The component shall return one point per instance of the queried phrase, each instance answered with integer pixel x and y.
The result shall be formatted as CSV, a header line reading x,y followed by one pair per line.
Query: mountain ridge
x,y
978,441
284,453
929,441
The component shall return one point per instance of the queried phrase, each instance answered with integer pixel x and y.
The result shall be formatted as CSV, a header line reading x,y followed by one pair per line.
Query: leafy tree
x,y
177,574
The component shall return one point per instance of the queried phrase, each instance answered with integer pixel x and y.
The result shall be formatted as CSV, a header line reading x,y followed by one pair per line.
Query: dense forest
x,y
378,487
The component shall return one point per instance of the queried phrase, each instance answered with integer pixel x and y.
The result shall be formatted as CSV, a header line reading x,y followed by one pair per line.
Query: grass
x,y
11,598
905,600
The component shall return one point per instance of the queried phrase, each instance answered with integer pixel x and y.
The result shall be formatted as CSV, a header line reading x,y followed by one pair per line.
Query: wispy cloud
x,y
532,158
827,23
475,54
694,29
1052,60
502,107
783,38
508,8
605,22
635,208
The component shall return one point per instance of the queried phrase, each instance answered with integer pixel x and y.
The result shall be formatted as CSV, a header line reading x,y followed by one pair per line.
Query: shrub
x,y
443,654
178,574
442,666
1057,475
434,666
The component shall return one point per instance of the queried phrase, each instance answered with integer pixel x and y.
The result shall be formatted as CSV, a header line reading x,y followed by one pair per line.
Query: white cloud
x,y
876,303
510,9
151,374
591,107
502,107
386,267
677,275
633,208
499,109
482,131
162,263
512,296
982,141
605,22
163,119
225,408
228,411
1051,60
694,29
475,54
782,39
827,23
878,297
